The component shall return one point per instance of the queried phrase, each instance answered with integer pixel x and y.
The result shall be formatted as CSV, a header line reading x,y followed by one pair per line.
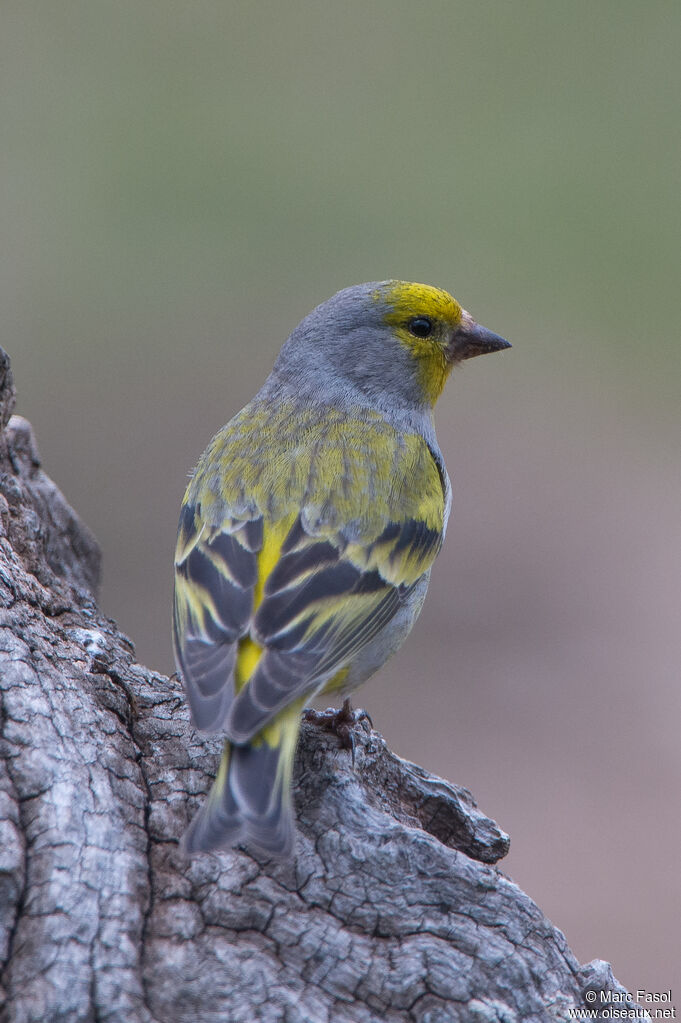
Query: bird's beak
x,y
471,339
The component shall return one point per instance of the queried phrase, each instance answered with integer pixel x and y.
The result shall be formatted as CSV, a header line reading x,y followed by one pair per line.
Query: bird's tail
x,y
250,802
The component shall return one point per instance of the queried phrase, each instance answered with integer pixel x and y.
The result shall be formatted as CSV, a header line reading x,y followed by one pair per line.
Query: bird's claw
x,y
342,722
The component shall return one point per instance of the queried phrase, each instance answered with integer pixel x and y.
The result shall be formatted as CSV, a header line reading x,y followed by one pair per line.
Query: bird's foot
x,y
341,722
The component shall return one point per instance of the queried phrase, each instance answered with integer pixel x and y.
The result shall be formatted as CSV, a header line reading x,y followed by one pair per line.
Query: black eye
x,y
421,326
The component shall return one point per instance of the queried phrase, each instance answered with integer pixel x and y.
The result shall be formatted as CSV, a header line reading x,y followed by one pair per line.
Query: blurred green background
x,y
182,182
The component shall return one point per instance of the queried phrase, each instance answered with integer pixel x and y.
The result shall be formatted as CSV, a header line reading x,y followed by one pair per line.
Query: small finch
x,y
307,535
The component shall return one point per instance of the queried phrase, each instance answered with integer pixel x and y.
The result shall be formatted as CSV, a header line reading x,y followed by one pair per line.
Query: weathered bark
x,y
391,910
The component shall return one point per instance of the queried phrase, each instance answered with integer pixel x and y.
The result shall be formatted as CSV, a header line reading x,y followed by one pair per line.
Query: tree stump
x,y
391,910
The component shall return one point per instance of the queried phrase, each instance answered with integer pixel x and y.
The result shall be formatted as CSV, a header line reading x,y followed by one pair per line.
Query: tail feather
x,y
250,802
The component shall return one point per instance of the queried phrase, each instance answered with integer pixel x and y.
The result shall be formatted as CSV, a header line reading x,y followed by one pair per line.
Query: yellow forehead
x,y
405,300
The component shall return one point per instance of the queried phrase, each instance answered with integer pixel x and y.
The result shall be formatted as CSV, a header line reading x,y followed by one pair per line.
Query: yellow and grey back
x,y
304,549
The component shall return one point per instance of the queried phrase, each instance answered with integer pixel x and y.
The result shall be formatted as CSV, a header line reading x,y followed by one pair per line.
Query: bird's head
x,y
394,341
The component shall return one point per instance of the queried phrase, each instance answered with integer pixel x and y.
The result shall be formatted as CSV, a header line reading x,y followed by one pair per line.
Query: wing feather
x,y
215,576
310,630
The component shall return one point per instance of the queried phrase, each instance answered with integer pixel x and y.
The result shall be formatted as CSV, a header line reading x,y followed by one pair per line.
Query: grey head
x,y
386,344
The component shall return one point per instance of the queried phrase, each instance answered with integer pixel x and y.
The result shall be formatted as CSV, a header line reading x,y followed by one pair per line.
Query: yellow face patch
x,y
407,302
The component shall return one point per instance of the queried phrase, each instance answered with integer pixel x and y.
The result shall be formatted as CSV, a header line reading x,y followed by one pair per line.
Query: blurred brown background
x,y
182,182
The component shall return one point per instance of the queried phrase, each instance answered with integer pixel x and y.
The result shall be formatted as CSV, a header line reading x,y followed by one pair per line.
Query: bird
x,y
306,539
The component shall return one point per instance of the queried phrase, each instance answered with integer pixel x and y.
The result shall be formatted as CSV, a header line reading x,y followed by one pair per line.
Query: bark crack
x,y
20,866
149,903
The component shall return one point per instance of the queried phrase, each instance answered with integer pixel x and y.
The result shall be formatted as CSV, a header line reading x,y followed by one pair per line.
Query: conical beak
x,y
471,339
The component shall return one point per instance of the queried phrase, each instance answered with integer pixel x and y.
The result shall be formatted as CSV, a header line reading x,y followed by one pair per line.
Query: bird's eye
x,y
421,326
